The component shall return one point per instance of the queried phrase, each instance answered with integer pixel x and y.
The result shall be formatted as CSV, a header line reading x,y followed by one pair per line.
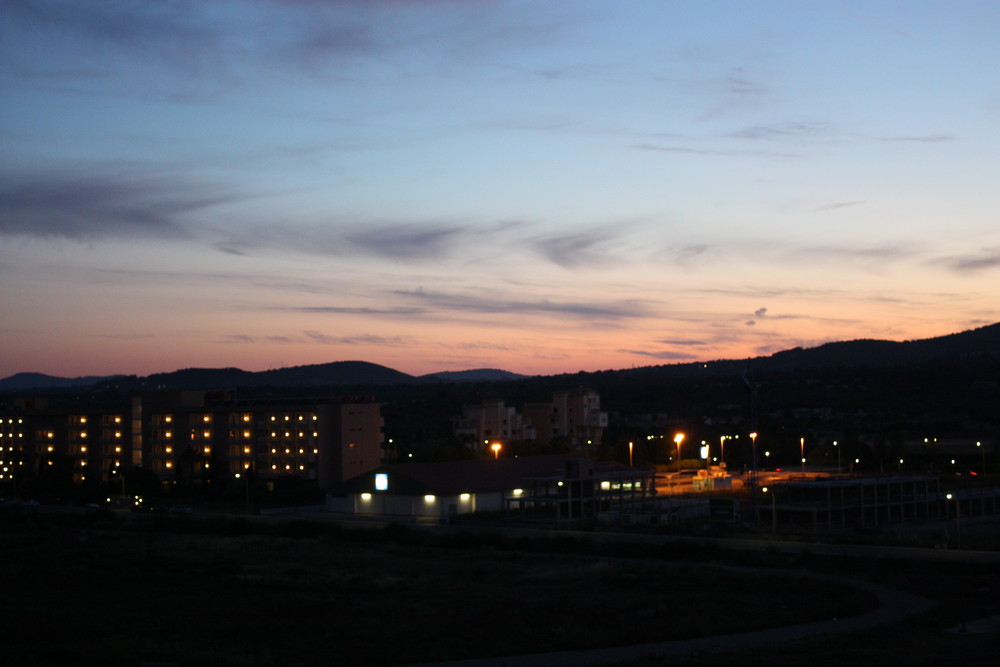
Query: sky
x,y
544,187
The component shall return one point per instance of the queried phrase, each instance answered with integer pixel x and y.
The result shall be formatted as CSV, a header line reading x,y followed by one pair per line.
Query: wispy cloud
x,y
713,152
926,139
969,263
484,304
405,241
665,355
838,205
786,131
364,339
100,205
576,250
341,310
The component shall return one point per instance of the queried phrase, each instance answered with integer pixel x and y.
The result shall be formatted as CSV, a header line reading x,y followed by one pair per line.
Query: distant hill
x,y
883,353
336,373
983,342
20,381
474,375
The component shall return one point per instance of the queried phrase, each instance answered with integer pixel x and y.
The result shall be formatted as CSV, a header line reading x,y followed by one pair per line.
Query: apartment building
x,y
574,415
190,436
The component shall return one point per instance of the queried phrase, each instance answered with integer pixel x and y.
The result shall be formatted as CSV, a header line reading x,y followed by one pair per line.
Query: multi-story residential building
x,y
186,436
492,421
571,415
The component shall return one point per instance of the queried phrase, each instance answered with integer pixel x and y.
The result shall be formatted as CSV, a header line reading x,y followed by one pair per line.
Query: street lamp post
x,y
246,488
630,454
774,511
802,451
679,438
958,520
835,446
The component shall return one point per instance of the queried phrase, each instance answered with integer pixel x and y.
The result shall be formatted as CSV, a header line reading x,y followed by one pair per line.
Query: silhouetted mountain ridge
x,y
982,342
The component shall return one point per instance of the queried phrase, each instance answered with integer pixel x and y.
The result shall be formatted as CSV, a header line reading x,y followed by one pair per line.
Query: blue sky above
x,y
540,186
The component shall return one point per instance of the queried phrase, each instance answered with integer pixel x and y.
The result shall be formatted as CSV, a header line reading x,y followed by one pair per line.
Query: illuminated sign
x,y
381,481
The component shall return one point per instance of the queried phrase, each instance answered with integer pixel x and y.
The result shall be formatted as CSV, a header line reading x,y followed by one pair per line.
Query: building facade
x,y
574,416
189,436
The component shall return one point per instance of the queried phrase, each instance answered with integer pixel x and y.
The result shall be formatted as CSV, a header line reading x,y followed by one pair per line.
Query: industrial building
x,y
553,488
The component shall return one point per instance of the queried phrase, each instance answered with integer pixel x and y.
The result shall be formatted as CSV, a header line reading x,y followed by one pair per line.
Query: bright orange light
x,y
496,447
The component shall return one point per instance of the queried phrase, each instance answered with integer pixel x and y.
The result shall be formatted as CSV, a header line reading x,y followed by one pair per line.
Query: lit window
x,y
168,450
118,420
208,450
170,464
169,434
51,434
300,417
429,498
315,451
273,417
83,449
168,419
118,450
287,417
518,492
246,434
246,450
118,434
207,434
302,467
464,497
315,417
381,481
274,466
206,418
246,418
83,420
315,434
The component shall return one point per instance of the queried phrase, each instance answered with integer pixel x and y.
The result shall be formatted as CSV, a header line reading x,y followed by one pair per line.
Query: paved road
x,y
893,607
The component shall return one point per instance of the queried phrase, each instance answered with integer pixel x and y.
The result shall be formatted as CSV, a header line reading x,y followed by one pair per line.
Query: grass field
x,y
117,593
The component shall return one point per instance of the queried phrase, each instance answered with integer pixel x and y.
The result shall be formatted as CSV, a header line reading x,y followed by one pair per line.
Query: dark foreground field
x,y
186,591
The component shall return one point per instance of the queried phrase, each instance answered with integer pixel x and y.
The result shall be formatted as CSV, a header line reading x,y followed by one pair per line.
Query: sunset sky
x,y
543,187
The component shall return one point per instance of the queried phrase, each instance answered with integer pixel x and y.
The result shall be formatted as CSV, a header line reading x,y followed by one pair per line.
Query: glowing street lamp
x,y
679,438
753,454
496,447
802,449
630,454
